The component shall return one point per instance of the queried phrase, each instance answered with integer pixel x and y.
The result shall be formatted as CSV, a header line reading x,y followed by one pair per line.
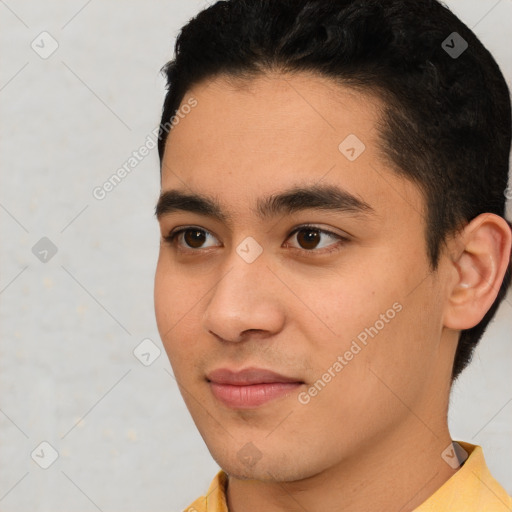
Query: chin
x,y
275,468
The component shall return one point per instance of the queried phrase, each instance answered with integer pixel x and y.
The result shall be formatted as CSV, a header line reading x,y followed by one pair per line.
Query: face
x,y
294,295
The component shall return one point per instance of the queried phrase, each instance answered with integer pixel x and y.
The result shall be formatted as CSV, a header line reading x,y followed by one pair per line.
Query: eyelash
x,y
170,239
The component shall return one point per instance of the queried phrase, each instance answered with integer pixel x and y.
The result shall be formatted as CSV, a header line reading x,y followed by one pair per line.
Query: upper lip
x,y
247,377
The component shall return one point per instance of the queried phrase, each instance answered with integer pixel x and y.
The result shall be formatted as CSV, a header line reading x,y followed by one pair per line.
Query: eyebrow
x,y
314,197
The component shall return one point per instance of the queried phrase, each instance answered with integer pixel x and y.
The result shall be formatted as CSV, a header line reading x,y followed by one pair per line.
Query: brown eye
x,y
311,239
194,238
308,238
190,238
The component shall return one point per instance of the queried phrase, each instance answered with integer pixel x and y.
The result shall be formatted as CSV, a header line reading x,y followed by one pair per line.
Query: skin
x,y
372,438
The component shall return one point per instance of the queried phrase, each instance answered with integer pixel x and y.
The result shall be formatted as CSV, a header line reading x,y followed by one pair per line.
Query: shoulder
x,y
471,489
215,498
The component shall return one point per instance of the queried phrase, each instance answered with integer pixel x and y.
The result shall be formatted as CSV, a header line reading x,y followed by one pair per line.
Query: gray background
x,y
69,325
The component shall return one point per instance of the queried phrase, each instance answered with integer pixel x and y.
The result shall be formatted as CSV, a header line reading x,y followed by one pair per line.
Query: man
x,y
333,247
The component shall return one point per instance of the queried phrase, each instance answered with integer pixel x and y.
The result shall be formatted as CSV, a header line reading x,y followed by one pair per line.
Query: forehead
x,y
302,108
252,138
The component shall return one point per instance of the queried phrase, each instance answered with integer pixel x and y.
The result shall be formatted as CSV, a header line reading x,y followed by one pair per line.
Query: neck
x,y
395,472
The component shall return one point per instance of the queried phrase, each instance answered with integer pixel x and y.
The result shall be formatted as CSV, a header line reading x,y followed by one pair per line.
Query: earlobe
x,y
481,262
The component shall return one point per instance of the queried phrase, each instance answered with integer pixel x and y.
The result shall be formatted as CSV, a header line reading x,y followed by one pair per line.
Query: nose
x,y
245,299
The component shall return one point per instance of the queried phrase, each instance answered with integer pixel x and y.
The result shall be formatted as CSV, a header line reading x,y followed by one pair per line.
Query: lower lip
x,y
251,396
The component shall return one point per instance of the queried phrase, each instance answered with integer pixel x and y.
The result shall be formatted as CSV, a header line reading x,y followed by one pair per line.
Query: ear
x,y
480,256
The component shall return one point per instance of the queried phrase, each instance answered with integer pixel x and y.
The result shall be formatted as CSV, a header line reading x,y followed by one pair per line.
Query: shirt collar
x,y
471,489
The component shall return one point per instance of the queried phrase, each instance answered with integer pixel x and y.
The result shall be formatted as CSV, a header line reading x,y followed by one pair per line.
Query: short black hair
x,y
447,119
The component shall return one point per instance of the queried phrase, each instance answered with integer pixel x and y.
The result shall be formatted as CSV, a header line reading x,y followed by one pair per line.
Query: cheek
x,y
364,392
381,324
175,296
399,352
163,299
349,306
174,303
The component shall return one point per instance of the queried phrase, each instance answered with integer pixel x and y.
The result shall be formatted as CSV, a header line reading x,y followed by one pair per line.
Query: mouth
x,y
250,388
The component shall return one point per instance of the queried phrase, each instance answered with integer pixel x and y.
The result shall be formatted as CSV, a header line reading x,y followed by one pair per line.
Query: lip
x,y
247,377
251,387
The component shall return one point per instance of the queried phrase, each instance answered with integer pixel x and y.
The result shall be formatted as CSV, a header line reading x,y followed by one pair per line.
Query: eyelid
x,y
343,235
171,237
342,238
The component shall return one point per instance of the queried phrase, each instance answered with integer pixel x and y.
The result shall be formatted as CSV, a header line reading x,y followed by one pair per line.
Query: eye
x,y
192,236
310,239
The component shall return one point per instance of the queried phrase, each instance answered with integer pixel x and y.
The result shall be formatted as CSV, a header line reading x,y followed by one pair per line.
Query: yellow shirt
x,y
471,489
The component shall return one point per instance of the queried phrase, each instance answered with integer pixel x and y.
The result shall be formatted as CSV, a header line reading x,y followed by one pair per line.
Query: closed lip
x,y
247,377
